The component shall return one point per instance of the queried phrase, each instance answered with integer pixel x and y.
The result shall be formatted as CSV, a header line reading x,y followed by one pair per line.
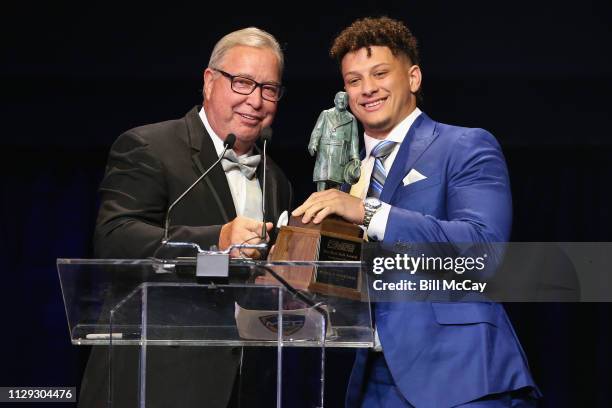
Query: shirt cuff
x,y
378,224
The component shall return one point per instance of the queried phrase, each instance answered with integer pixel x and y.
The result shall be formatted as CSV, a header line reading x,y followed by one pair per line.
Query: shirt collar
x,y
397,134
213,136
211,133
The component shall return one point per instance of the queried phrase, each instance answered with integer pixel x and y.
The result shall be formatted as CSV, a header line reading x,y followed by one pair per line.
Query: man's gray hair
x,y
250,37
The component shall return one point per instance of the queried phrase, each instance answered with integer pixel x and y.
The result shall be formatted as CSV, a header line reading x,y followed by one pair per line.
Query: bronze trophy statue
x,y
335,142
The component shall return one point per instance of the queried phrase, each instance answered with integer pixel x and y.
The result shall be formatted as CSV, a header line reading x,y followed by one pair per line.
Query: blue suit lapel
x,y
420,135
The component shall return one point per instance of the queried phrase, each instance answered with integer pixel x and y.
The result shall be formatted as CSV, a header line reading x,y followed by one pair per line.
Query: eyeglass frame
x,y
281,88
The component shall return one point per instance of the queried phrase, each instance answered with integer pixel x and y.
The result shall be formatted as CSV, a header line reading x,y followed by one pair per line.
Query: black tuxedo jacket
x,y
151,166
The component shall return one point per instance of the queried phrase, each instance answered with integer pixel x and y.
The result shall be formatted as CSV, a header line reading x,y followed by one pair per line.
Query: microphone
x,y
266,137
227,144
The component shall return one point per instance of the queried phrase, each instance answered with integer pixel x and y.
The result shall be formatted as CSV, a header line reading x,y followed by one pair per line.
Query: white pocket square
x,y
412,177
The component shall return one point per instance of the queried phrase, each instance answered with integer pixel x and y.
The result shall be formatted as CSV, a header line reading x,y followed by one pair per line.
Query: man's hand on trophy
x,y
312,149
323,203
243,230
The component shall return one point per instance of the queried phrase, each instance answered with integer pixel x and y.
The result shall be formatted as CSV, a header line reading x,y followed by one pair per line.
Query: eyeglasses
x,y
246,86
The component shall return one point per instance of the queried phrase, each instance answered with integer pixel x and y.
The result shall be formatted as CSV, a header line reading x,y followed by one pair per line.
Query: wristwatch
x,y
371,205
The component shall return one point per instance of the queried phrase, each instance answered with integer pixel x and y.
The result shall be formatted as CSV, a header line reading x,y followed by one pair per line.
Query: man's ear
x,y
414,77
209,76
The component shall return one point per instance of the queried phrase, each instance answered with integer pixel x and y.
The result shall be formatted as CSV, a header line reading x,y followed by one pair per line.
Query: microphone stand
x,y
229,142
263,189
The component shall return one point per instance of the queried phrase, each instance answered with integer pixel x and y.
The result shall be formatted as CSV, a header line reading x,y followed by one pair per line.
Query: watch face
x,y
373,202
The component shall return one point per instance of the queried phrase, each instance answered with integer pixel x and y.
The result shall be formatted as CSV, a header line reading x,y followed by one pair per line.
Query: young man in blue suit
x,y
423,181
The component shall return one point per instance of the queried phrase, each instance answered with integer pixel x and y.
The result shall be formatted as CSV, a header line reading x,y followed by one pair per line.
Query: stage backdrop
x,y
73,77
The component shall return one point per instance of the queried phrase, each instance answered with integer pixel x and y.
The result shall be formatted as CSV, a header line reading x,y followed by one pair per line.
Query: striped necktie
x,y
380,152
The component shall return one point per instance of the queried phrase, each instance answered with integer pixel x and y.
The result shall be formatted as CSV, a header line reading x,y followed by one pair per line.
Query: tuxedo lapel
x,y
420,135
272,210
203,156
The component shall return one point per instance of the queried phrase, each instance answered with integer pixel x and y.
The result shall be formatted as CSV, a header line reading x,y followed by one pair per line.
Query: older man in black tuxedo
x,y
150,166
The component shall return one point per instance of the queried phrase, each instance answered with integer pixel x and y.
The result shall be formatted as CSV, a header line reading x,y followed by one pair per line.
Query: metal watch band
x,y
369,213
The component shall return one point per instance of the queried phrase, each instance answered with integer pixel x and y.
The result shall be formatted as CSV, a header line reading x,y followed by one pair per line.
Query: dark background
x,y
74,76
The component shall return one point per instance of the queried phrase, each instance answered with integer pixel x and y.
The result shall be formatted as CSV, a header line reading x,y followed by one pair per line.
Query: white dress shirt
x,y
245,193
378,224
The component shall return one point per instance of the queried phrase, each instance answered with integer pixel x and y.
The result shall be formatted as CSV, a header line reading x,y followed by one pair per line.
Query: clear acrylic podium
x,y
155,324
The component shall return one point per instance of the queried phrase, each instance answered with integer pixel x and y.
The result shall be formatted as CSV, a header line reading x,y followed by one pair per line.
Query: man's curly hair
x,y
382,31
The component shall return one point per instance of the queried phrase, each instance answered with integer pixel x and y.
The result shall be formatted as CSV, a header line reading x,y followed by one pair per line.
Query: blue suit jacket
x,y
445,354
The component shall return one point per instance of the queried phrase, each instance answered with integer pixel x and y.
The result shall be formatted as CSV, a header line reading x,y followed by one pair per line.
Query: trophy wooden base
x,y
332,240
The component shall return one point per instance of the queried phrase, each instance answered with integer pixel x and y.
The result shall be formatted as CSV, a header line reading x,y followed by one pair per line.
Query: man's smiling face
x,y
231,112
381,88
